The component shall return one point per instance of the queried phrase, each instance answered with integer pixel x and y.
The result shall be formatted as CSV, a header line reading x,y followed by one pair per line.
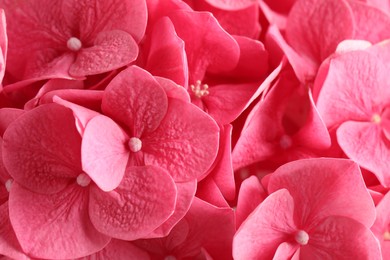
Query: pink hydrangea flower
x,y
313,206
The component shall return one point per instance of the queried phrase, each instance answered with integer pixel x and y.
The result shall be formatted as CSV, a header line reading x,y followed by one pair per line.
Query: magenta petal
x,y
111,50
251,194
41,149
323,187
185,196
104,152
167,57
269,225
365,144
54,226
340,237
9,245
144,200
135,99
185,143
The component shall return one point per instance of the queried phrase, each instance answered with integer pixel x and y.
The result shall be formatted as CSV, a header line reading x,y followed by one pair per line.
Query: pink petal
x,y
143,201
310,27
9,244
333,239
231,4
185,143
371,24
111,50
41,149
173,90
56,225
325,187
208,191
382,221
269,225
167,57
94,16
251,194
216,52
355,88
364,143
120,250
104,152
185,196
286,250
7,116
135,99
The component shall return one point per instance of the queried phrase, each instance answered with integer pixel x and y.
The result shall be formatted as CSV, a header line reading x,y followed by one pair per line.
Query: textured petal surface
x,y
231,4
365,144
186,142
41,149
104,152
269,225
310,27
325,187
354,89
135,99
333,239
111,50
143,201
54,226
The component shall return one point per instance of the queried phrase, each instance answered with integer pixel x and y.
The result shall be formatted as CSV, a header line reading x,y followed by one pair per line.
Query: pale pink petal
x,y
143,201
9,244
323,187
231,4
208,47
185,143
339,237
135,99
286,250
185,196
382,221
41,149
251,194
56,225
104,152
111,50
365,144
269,225
355,88
166,56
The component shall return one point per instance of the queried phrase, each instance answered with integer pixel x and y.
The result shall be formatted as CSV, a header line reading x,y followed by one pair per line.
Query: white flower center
x,y
285,142
199,89
8,184
302,237
83,180
376,118
74,44
135,144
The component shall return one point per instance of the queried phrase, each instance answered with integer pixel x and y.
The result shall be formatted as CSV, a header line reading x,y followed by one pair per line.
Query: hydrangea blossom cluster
x,y
194,129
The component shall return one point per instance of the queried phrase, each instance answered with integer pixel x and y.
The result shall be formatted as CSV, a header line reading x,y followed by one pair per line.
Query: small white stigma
x,y
376,118
83,180
199,89
302,237
74,44
135,144
285,142
8,184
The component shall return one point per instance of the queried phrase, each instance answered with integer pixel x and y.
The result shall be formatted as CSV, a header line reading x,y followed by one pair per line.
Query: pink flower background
x,y
194,129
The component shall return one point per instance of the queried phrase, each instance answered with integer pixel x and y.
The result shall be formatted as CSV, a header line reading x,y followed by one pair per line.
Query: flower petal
x,y
135,99
54,226
185,143
143,201
41,149
104,152
269,225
